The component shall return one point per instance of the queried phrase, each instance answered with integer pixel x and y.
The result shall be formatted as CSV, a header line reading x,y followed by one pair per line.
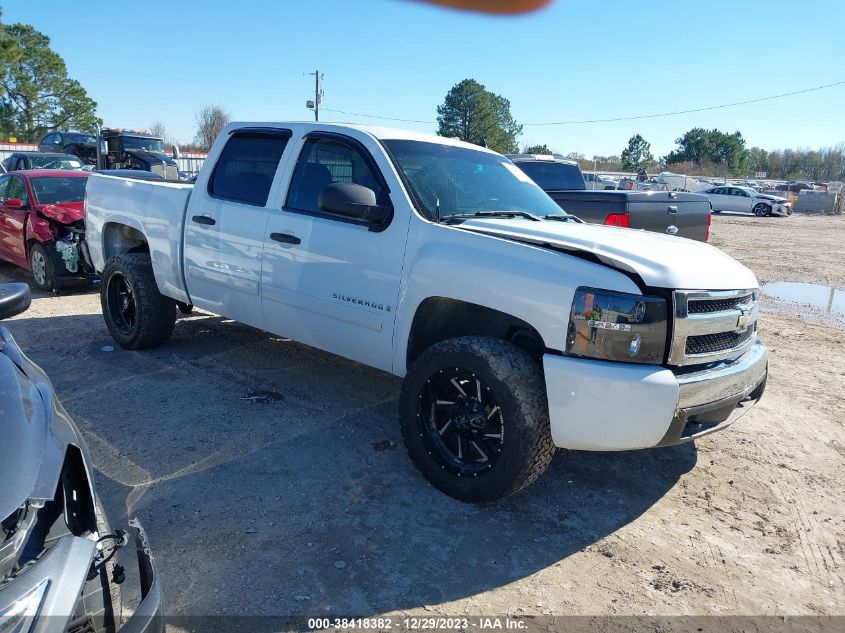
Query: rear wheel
x,y
761,209
137,315
41,265
475,419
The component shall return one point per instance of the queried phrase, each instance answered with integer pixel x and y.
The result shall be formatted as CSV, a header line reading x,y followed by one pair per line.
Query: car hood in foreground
x,y
23,428
64,213
661,261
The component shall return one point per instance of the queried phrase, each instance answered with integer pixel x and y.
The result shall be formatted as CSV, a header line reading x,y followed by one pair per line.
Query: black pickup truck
x,y
673,212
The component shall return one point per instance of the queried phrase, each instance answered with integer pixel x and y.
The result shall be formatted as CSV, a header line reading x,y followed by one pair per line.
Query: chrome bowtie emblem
x,y
744,319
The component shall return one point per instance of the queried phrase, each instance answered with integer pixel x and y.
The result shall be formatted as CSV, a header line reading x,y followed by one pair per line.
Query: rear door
x,y
13,221
226,222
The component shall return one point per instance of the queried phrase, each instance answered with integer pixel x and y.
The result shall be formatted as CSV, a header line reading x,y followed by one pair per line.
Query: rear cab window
x,y
550,175
247,165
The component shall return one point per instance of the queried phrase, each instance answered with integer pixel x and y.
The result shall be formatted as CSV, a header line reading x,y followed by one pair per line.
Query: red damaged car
x,y
42,224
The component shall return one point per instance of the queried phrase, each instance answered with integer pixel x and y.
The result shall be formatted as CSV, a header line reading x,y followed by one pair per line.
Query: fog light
x,y
634,348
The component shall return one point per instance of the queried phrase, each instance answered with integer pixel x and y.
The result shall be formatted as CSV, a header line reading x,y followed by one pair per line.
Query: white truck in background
x,y
516,327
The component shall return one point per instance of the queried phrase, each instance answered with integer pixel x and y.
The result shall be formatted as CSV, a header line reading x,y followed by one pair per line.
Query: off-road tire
x,y
155,314
39,258
518,385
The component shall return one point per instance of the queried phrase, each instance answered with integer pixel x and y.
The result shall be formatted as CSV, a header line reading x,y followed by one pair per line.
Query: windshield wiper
x,y
492,214
563,218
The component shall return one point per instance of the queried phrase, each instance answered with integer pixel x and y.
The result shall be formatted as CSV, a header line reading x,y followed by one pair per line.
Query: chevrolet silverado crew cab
x,y
516,327
672,212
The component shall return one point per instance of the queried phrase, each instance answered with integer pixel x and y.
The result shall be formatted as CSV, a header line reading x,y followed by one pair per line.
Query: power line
x,y
623,118
375,116
715,107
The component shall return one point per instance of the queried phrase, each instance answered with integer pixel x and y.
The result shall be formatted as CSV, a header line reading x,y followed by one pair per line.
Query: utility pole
x,y
318,94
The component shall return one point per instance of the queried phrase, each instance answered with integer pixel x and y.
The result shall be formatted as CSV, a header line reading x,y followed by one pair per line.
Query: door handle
x,y
204,219
285,238
673,209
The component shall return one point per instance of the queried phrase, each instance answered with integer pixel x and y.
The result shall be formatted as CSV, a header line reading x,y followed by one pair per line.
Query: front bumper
x,y
605,406
782,209
64,569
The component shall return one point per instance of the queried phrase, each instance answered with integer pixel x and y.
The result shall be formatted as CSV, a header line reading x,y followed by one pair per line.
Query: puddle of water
x,y
825,298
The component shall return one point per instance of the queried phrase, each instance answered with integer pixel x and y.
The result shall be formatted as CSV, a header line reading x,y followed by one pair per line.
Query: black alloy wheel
x,y
462,425
121,304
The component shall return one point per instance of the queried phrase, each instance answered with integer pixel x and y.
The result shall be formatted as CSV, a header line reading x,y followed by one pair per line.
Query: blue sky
x,y
163,60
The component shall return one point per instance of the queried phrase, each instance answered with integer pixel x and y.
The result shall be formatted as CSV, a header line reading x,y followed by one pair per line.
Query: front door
x,y
13,221
225,226
329,281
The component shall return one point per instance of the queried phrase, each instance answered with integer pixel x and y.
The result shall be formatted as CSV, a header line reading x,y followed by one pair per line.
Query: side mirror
x,y
14,299
176,154
353,201
13,203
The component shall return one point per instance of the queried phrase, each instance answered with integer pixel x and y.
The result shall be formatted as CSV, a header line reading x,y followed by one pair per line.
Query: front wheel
x,y
41,265
761,210
475,418
137,315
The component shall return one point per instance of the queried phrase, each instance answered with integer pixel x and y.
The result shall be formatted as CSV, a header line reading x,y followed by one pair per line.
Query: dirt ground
x,y
303,501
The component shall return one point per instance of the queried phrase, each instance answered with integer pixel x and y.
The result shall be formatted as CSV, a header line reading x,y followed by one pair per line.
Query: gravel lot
x,y
303,501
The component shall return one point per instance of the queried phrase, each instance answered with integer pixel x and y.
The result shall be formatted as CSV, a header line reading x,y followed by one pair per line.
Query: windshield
x,y
54,162
466,181
80,138
551,175
134,144
58,190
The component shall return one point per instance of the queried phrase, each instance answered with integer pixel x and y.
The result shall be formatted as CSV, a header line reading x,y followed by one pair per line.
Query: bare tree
x,y
211,119
157,129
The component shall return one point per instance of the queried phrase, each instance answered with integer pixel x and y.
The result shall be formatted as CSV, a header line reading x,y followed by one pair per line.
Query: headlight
x,y
609,325
19,616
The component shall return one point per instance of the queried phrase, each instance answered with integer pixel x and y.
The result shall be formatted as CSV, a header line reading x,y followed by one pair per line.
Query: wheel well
x,y
440,318
120,238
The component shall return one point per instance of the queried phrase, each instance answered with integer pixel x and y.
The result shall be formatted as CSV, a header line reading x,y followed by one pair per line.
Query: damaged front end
x,y
60,560
62,231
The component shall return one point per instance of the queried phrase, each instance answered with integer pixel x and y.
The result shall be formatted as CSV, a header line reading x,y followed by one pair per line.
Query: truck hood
x,y
151,158
65,213
661,261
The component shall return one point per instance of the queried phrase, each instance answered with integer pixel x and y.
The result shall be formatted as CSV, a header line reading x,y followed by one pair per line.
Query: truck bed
x,y
649,210
155,209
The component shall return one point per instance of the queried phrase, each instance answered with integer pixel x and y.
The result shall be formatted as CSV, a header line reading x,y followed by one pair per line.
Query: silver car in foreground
x,y
58,568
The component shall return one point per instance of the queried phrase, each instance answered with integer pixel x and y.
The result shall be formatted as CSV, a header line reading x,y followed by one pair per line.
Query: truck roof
x,y
378,132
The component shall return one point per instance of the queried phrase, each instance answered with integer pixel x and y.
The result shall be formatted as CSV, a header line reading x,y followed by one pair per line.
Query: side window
x,y
47,139
57,139
17,190
246,167
4,185
325,161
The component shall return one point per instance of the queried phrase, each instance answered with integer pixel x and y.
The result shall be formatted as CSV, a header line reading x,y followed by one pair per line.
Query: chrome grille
x,y
710,343
703,306
709,326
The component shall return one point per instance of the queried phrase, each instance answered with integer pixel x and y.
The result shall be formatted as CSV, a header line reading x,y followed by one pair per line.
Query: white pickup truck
x,y
516,327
